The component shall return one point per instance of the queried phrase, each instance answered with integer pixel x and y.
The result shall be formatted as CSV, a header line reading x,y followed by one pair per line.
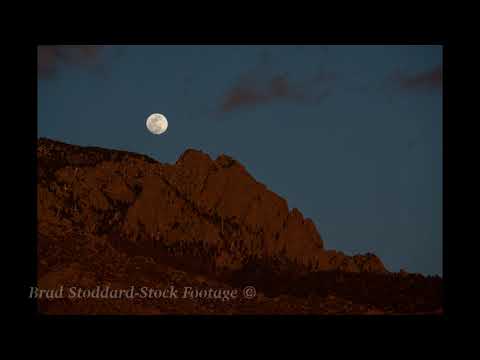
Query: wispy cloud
x,y
255,88
426,81
50,57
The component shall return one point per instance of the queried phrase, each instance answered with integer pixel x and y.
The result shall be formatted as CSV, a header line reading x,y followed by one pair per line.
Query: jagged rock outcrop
x,y
113,218
133,201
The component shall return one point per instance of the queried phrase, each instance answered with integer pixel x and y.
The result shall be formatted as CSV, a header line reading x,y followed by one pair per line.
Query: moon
x,y
157,124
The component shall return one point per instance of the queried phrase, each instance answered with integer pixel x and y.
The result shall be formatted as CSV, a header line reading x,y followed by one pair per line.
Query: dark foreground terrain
x,y
117,220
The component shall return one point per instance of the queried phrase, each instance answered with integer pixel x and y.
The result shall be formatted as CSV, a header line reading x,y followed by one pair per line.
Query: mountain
x,y
115,217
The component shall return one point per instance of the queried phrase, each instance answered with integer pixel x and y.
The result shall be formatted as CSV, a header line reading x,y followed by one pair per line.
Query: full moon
x,y
157,124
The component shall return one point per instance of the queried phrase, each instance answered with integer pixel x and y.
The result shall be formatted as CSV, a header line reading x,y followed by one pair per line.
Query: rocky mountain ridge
x,y
109,216
217,202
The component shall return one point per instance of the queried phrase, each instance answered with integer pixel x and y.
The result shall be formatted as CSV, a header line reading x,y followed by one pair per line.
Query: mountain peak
x,y
226,204
110,214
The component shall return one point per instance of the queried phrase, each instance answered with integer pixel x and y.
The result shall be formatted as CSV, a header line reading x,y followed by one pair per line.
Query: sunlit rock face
x,y
113,218
213,208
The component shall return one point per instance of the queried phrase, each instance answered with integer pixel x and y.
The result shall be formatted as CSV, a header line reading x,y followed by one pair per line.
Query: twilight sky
x,y
350,135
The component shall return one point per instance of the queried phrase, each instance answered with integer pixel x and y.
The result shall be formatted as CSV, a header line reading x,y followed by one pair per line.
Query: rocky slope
x,y
123,217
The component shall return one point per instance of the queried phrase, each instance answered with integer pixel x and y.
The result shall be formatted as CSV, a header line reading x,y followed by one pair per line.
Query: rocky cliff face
x,y
213,206
116,219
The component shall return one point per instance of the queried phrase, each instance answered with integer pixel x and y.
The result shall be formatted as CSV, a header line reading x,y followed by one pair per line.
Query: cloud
x,y
426,81
50,57
250,91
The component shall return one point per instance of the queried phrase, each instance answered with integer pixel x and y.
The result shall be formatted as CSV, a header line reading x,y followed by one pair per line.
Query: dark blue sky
x,y
350,135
